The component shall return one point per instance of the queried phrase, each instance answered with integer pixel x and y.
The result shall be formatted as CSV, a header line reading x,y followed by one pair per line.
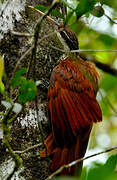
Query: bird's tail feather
x,y
65,155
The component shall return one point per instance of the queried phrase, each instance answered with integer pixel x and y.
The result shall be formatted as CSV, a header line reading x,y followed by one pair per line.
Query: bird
x,y
72,106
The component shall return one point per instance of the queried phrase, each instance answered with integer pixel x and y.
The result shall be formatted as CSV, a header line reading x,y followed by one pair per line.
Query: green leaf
x,y
98,11
27,88
103,172
17,80
2,1
96,172
111,163
84,6
27,91
53,12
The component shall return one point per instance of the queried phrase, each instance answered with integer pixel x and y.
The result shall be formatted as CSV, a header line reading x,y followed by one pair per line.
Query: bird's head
x,y
67,37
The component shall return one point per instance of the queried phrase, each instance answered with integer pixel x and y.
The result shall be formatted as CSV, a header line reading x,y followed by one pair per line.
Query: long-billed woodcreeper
x,y
72,105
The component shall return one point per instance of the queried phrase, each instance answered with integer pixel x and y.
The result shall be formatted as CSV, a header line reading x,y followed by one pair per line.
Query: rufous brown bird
x,y
72,105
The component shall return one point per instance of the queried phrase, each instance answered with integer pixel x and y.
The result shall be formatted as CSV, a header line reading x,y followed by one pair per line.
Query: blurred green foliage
x,y
84,6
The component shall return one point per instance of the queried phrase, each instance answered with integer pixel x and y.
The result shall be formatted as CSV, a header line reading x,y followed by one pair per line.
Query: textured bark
x,y
13,47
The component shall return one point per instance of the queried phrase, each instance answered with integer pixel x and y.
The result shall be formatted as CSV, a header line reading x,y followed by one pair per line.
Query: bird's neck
x,y
73,55
66,48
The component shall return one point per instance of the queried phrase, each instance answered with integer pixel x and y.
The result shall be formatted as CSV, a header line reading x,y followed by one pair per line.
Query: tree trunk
x,y
25,131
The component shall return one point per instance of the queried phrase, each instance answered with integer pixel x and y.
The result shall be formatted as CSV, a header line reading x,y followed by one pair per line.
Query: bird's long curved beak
x,y
49,19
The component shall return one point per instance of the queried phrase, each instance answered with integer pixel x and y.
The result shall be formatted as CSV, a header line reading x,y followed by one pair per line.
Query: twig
x,y
78,161
84,50
110,19
21,33
52,21
94,50
58,49
114,18
28,149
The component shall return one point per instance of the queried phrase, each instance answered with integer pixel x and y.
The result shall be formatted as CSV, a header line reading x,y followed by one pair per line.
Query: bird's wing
x,y
72,103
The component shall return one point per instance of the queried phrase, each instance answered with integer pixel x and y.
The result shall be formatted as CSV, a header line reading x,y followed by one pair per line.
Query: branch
x,y
78,161
28,149
94,50
105,67
21,34
110,18
52,21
